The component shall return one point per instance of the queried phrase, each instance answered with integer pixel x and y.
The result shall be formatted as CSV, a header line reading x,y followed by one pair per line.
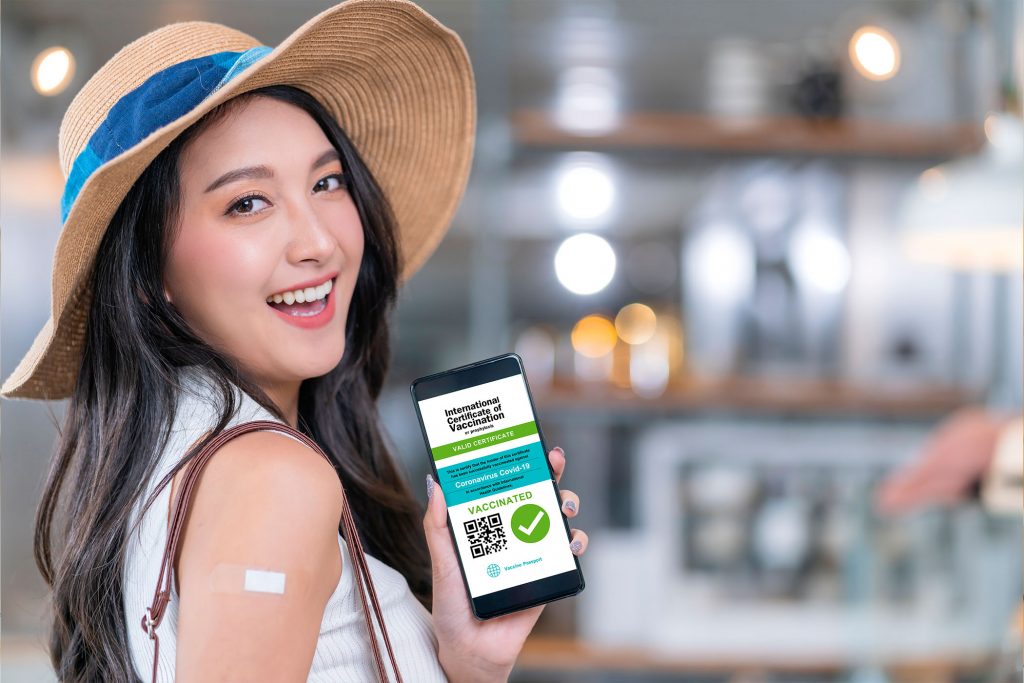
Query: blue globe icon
x,y
493,570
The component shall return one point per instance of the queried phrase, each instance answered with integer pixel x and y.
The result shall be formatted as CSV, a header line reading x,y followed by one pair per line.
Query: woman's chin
x,y
320,366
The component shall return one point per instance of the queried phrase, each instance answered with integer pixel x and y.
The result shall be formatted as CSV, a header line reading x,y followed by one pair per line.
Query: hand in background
x,y
953,459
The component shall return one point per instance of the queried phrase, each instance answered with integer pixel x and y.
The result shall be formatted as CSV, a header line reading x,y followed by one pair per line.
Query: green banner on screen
x,y
484,440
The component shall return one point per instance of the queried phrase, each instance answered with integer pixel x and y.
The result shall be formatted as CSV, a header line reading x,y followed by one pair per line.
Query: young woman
x,y
237,222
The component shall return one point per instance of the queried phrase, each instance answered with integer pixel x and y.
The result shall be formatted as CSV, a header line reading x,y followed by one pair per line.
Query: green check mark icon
x,y
530,523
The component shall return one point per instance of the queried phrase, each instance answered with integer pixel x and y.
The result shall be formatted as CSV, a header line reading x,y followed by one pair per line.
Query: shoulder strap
x,y
162,595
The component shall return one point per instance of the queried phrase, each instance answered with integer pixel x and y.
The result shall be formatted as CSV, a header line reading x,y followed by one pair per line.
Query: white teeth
x,y
302,295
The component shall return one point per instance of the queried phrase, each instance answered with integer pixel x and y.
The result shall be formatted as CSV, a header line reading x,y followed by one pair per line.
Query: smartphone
x,y
488,454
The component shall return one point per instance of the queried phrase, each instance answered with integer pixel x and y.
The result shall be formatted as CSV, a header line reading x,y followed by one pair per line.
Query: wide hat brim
x,y
399,83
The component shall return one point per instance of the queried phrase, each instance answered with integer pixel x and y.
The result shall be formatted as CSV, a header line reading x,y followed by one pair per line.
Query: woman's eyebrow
x,y
240,174
325,158
250,172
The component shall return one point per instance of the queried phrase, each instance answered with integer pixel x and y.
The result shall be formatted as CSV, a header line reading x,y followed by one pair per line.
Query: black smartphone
x,y
505,516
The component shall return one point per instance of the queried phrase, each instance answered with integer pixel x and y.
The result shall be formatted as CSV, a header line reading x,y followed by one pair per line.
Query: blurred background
x,y
763,262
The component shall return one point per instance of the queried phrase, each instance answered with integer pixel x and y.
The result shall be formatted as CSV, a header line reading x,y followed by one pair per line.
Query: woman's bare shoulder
x,y
266,503
257,469
256,488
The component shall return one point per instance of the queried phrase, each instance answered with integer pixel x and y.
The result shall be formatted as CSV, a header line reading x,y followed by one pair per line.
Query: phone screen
x,y
503,504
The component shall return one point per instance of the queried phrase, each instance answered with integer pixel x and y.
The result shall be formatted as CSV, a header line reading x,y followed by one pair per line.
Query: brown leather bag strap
x,y
162,595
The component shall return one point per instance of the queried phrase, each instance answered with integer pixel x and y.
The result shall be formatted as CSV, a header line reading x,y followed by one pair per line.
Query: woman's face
x,y
264,211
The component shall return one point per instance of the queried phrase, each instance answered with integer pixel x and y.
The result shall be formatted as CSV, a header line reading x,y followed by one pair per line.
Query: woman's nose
x,y
310,233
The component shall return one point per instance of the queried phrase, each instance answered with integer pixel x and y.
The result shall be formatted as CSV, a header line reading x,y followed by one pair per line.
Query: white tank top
x,y
342,650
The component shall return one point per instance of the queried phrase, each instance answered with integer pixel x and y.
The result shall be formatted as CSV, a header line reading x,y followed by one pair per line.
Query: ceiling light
x,y
52,70
875,53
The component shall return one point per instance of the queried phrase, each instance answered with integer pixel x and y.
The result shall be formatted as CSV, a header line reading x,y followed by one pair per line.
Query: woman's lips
x,y
304,285
309,321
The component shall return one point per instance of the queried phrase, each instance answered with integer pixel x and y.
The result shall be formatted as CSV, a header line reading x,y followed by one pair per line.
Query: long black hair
x,y
121,411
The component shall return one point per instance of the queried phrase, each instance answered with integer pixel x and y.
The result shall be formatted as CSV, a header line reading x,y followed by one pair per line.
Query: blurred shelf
x,y
757,395
553,653
777,135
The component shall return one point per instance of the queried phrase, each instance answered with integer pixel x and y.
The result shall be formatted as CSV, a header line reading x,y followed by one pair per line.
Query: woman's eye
x,y
325,183
246,205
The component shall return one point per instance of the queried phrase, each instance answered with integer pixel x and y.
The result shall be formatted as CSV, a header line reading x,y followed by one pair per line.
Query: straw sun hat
x,y
399,83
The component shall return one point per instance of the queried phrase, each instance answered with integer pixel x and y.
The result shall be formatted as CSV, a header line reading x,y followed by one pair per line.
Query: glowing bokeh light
x,y
585,263
588,101
820,259
721,261
594,336
584,188
52,70
636,323
875,53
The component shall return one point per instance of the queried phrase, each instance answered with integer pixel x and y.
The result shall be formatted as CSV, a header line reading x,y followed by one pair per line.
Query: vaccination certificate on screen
x,y
494,474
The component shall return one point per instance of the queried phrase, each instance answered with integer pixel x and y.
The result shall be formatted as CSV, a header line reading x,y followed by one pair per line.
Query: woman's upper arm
x,y
265,513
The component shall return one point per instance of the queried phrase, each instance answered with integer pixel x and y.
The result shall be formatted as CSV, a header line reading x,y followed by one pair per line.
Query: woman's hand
x,y
472,650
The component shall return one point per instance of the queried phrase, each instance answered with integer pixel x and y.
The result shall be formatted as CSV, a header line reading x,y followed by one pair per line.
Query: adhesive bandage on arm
x,y
237,578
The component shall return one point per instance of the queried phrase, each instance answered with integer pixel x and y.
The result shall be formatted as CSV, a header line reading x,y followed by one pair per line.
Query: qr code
x,y
486,535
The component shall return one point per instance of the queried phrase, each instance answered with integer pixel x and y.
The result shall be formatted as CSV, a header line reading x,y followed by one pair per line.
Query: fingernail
x,y
576,546
430,487
560,450
570,505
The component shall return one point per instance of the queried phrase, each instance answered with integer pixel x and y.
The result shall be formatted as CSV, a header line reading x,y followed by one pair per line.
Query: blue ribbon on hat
x,y
162,98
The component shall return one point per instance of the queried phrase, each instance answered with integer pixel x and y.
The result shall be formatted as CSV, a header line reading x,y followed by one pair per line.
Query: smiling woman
x,y
228,256
290,369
